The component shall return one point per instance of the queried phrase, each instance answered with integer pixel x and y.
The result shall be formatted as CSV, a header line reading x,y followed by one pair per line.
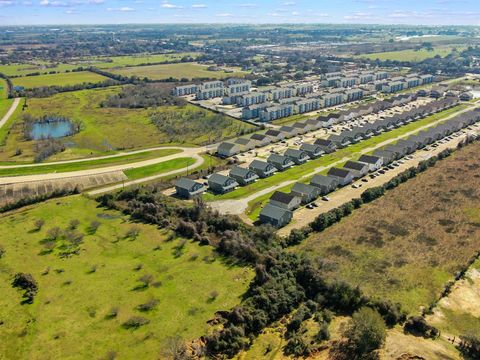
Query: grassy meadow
x,y
105,129
94,290
62,79
410,242
178,71
410,55
4,102
159,168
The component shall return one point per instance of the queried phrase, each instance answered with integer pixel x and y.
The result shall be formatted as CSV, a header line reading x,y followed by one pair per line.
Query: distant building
x,y
343,176
307,193
275,216
243,176
326,184
210,89
286,201
185,90
262,169
221,184
281,162
374,162
187,188
227,149
297,156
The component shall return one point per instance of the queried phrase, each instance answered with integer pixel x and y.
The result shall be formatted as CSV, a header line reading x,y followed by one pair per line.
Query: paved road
x,y
187,152
10,111
199,162
238,206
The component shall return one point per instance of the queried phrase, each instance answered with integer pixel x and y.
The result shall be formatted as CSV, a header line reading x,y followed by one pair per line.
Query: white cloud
x,y
122,9
167,5
199,6
5,2
54,3
224,15
289,3
295,13
248,5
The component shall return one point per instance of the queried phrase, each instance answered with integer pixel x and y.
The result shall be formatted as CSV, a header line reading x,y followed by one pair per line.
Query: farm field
x,y
410,242
178,71
93,292
351,151
87,164
410,55
121,61
37,67
105,129
62,79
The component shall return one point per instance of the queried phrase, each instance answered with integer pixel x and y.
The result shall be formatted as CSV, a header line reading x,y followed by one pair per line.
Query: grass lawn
x,y
409,243
107,129
134,60
410,55
36,67
159,168
87,164
84,299
4,102
64,79
351,151
182,70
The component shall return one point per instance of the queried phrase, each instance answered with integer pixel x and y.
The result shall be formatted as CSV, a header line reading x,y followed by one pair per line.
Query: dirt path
x,y
199,162
10,112
188,152
238,206
195,150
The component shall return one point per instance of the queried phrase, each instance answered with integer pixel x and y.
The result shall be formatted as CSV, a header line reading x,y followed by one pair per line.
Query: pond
x,y
51,129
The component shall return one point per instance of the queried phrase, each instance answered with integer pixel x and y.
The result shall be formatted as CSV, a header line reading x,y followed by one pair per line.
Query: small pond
x,y
51,129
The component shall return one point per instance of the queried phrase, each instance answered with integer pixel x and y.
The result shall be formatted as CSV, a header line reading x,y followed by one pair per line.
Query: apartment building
x,y
280,93
413,82
307,105
210,90
238,87
426,79
381,75
276,112
348,82
251,99
333,99
185,90
393,86
366,78
253,111
353,95
303,89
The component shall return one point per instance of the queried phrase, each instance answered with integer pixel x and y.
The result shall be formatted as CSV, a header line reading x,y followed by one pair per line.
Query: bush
x,y
39,224
148,306
297,347
135,322
28,283
470,345
417,325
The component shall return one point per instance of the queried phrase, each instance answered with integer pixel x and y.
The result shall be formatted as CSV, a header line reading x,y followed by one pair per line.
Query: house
x,y
358,169
374,162
275,216
306,192
275,135
342,140
344,176
313,151
398,150
466,96
326,184
327,146
387,156
226,149
262,168
260,140
289,131
302,127
314,123
187,188
221,184
242,175
411,146
297,156
245,143
284,200
281,162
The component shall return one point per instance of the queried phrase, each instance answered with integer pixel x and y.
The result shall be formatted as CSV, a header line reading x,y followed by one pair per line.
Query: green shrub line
x,y
36,199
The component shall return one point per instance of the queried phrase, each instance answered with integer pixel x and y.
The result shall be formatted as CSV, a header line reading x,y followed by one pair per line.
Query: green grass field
x,y
410,55
100,62
351,151
87,164
107,129
87,295
178,71
159,168
4,102
64,79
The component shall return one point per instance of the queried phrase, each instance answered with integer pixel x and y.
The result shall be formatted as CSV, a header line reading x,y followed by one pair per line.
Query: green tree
x,y
366,332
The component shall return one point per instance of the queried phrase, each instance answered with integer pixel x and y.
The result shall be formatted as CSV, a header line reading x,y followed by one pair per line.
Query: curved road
x,y
10,112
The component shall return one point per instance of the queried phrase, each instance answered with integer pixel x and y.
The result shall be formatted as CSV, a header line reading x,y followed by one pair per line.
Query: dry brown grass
x,y
408,244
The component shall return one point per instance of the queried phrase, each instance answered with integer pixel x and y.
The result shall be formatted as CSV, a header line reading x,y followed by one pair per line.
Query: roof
x,y
273,211
261,165
242,141
259,137
309,147
342,173
218,179
294,153
282,197
354,165
272,132
239,171
226,146
287,129
185,183
323,142
324,180
369,159
304,188
277,158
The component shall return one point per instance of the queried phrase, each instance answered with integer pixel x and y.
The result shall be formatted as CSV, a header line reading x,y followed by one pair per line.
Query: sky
x,y
414,12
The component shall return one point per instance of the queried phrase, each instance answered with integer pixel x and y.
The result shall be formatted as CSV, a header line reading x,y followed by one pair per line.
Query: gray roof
x,y
242,141
273,212
277,158
239,171
261,165
354,165
287,129
294,153
323,142
310,147
218,179
304,188
341,173
282,197
186,183
324,180
369,159
259,137
226,146
272,132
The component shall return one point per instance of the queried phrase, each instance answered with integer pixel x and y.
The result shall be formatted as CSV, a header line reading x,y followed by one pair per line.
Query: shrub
x,y
54,233
39,224
417,325
2,251
135,322
149,305
27,283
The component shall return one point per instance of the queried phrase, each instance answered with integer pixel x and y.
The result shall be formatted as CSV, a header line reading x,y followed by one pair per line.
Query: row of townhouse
x,y
338,79
400,83
279,211
231,89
